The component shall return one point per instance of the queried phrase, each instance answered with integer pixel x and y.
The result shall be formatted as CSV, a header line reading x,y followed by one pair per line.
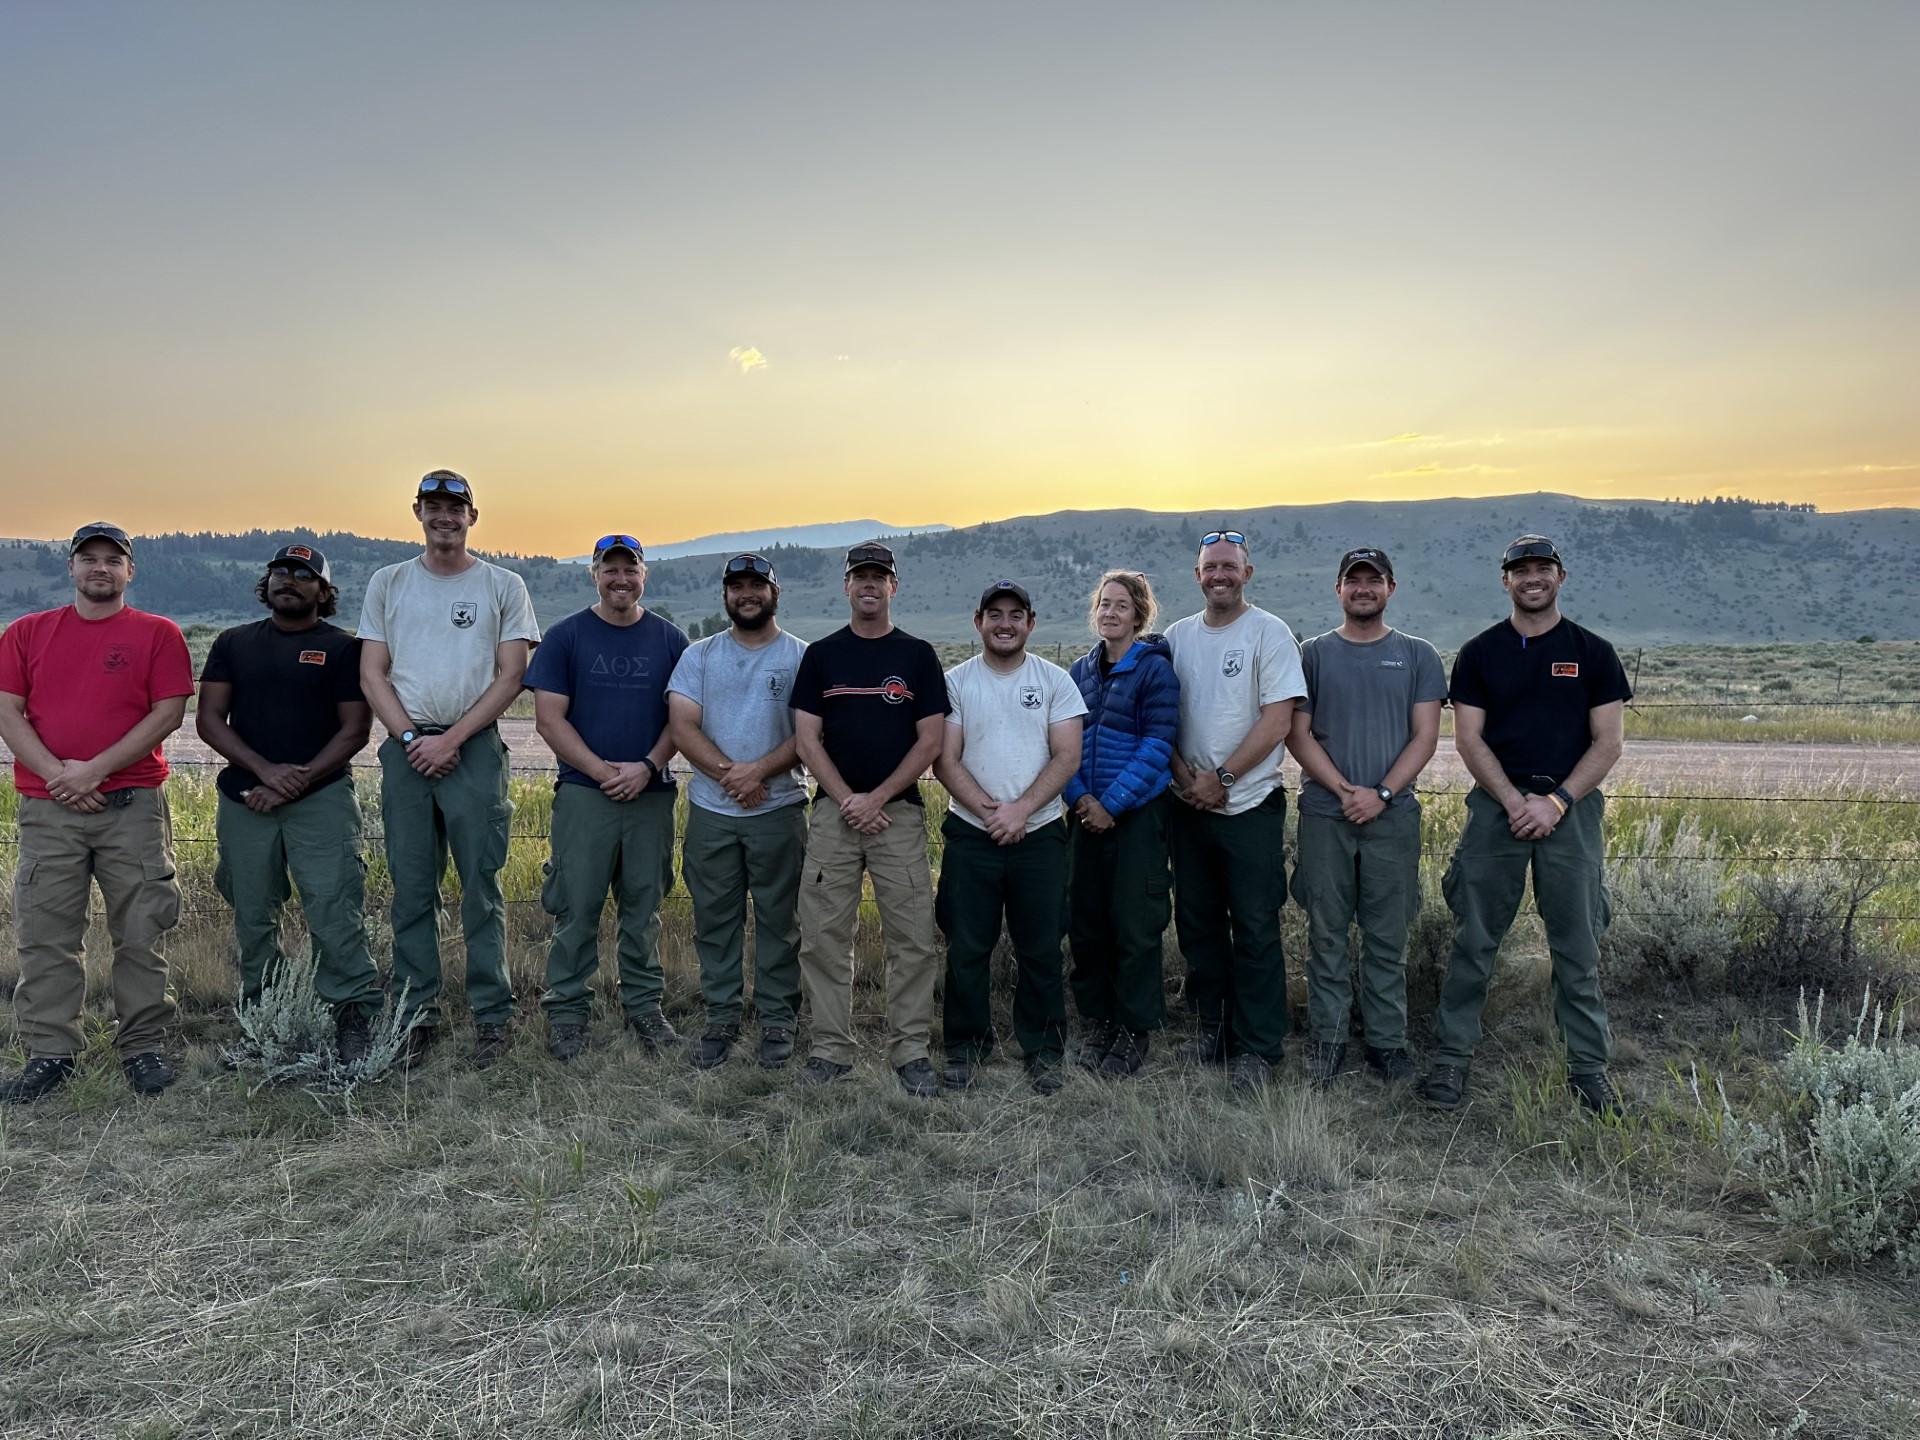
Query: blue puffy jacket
x,y
1126,753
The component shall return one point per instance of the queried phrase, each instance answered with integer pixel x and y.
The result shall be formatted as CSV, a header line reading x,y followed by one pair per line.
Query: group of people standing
x,y
1087,805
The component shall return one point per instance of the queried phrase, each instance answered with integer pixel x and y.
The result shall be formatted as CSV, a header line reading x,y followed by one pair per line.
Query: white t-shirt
x,y
1226,675
1004,719
443,631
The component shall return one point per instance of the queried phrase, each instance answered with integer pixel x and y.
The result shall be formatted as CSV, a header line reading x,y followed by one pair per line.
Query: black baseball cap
x,y
606,544
1006,587
290,557
748,563
100,530
1366,555
446,482
1531,547
870,552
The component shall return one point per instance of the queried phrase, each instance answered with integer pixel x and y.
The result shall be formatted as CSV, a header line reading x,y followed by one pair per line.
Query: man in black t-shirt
x,y
1537,704
869,708
280,700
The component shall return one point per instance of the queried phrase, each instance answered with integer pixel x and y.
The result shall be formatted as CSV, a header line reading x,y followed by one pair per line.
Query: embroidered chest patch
x,y
1566,668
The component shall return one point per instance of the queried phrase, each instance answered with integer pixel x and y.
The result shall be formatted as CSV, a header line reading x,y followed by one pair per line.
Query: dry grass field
x,y
629,1247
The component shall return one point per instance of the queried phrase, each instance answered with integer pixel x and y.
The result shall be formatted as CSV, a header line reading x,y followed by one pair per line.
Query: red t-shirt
x,y
88,682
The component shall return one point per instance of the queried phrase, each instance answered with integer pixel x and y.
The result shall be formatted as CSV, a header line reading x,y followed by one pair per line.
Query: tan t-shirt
x,y
1003,720
443,631
1226,675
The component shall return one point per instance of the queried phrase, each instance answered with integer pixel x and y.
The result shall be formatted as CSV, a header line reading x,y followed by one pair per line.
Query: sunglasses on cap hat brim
x,y
618,542
438,484
744,565
1522,550
1232,537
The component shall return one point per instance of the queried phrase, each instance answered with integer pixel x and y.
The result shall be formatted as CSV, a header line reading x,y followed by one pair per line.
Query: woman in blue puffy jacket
x,y
1121,887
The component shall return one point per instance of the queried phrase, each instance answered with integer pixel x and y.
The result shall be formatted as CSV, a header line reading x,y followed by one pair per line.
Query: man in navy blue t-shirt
x,y
599,684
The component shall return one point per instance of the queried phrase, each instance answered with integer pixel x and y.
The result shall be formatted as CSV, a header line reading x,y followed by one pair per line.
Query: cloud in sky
x,y
1415,440
748,358
1433,468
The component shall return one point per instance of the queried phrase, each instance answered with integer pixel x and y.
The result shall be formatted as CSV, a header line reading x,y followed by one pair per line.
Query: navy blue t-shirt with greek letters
x,y
615,680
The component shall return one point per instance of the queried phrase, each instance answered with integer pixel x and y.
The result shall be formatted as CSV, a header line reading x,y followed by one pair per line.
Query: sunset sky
x,y
688,268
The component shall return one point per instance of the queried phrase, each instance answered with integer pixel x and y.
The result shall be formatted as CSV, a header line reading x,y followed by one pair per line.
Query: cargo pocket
x,y
553,897
26,913
158,910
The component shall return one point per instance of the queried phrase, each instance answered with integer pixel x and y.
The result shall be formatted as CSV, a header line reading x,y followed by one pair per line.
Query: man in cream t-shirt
x,y
1012,743
444,644
1240,673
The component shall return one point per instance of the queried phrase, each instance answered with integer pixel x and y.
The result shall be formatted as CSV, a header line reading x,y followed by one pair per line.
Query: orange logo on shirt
x,y
313,657
1568,668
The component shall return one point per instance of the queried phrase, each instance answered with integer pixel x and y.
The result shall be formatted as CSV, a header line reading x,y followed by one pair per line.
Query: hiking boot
x,y
776,1047
1208,1047
1395,1066
1250,1074
1445,1087
1046,1074
918,1080
819,1071
1595,1091
1126,1055
713,1048
419,1045
650,1027
40,1077
1324,1059
352,1036
566,1040
490,1043
1096,1039
148,1072
960,1072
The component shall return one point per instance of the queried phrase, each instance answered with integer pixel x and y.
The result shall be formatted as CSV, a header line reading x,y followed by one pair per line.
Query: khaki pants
x,y
128,848
896,858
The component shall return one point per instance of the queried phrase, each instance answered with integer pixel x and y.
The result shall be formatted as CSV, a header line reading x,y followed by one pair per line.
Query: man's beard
x,y
755,622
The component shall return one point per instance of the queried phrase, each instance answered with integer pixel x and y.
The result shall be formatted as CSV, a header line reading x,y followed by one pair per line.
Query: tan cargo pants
x,y
128,848
896,858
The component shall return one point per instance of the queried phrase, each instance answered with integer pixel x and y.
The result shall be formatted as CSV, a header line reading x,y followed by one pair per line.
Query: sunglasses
x,y
606,542
296,572
1214,537
748,565
1532,550
450,484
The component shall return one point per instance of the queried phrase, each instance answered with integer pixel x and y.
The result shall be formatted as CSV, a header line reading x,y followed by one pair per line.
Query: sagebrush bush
x,y
288,1038
1841,1163
1803,928
1671,930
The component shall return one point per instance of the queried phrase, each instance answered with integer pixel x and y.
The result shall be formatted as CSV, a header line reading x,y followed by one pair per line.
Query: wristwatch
x,y
407,737
1225,776
1386,795
647,760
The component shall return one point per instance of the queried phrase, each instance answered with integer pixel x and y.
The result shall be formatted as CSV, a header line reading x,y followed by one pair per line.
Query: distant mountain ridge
x,y
1639,571
732,542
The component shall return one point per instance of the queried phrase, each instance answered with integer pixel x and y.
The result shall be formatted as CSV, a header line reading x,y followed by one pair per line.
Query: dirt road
x,y
1656,766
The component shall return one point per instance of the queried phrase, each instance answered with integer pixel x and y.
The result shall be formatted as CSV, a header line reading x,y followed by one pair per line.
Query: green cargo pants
x,y
1344,872
1120,901
317,838
980,881
1229,882
465,813
724,860
128,849
602,845
1483,886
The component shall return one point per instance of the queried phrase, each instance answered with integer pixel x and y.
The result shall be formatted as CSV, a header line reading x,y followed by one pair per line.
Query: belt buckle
x,y
1543,784
119,799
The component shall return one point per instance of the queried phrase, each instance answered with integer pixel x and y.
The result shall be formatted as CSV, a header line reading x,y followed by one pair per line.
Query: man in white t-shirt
x,y
1012,743
1240,674
444,644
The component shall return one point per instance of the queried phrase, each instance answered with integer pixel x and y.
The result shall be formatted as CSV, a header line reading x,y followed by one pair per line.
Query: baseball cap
x,y
748,563
288,557
446,482
1006,587
628,543
1366,555
101,530
1531,547
870,552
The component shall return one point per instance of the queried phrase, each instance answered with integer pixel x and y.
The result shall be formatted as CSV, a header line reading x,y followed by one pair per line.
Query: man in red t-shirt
x,y
87,694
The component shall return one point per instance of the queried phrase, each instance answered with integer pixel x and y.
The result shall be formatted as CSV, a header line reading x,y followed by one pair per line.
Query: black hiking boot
x,y
352,1036
1126,1055
652,1029
490,1041
1445,1087
1324,1059
821,1071
1394,1066
776,1047
959,1072
148,1073
1208,1047
1096,1039
1595,1091
712,1049
420,1042
1046,1074
566,1040
918,1080
1250,1074
39,1078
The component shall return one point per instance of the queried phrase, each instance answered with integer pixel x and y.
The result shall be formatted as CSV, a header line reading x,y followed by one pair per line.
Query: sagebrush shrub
x,y
288,1037
1804,931
1671,930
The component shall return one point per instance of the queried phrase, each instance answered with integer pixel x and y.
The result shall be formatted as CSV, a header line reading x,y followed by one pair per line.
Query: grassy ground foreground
x,y
630,1247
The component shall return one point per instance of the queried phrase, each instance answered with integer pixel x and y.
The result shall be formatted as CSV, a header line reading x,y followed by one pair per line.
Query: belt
x,y
431,729
1536,784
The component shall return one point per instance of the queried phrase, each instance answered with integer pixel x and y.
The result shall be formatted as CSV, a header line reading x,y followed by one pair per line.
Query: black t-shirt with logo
x,y
1537,692
870,696
288,686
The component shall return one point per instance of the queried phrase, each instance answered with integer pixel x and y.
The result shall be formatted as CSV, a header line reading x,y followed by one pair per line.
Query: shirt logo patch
x,y
1029,697
777,684
894,690
1567,668
116,659
1234,663
465,612
1393,664
313,657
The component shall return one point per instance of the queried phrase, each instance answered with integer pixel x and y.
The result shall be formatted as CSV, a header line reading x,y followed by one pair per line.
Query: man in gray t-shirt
x,y
1363,734
729,708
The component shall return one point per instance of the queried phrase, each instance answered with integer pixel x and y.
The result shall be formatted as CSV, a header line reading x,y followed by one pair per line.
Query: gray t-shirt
x,y
744,697
1003,720
1362,698
1226,676
442,632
